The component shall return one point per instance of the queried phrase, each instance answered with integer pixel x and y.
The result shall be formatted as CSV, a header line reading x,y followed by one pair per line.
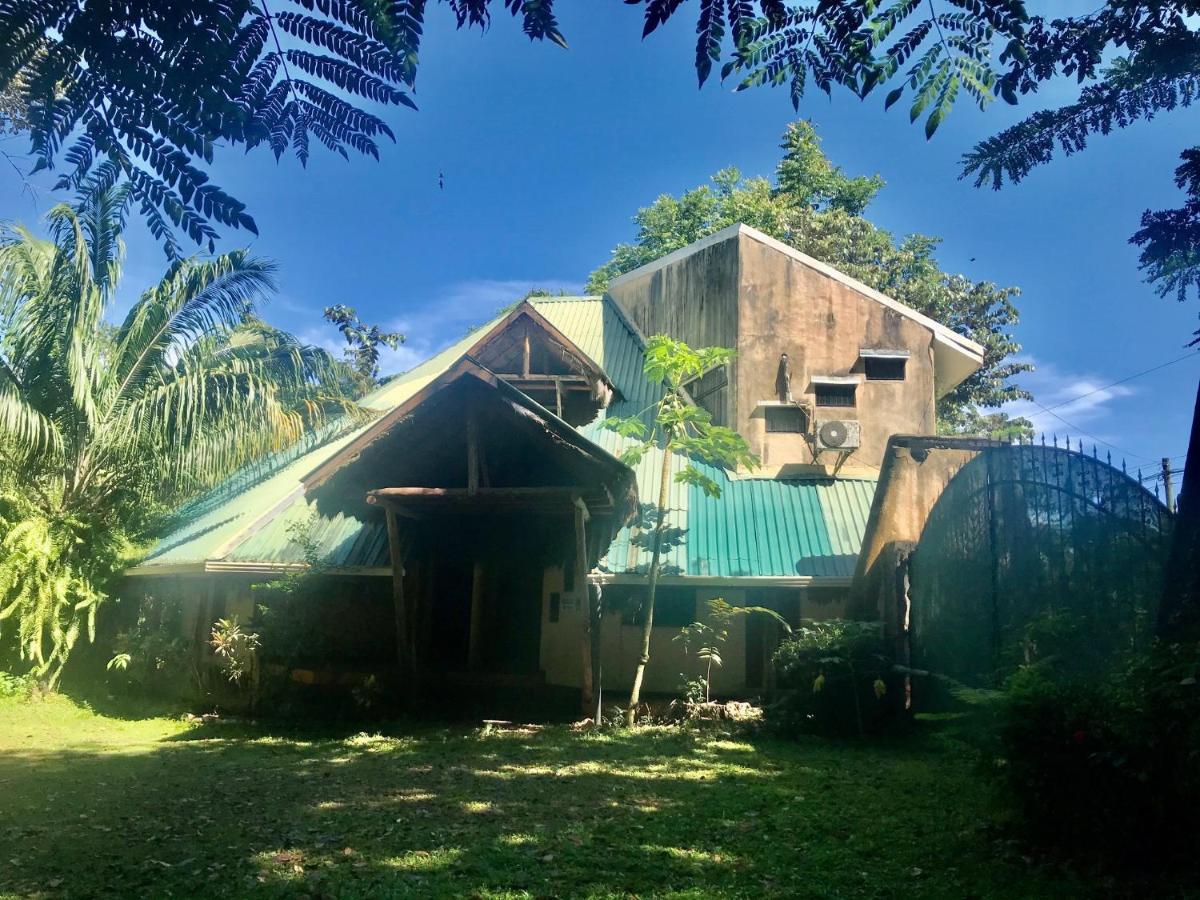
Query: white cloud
x,y
1082,399
432,323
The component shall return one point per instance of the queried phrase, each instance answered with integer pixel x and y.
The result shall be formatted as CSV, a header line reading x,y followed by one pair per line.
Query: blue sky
x,y
547,154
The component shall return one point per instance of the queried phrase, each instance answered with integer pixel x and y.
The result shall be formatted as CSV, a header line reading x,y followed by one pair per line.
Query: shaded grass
x,y
97,806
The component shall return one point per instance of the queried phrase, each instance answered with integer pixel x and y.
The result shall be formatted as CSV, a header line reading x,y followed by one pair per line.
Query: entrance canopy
x,y
473,476
470,443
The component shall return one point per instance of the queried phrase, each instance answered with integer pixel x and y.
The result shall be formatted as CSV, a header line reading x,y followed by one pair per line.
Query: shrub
x,y
153,657
1105,763
12,685
834,678
236,651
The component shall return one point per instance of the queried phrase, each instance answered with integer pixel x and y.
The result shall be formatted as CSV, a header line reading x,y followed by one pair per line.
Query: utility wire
x,y
1093,437
1105,387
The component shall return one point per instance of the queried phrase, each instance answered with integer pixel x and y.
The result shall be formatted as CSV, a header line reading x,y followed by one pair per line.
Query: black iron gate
x,y
1024,529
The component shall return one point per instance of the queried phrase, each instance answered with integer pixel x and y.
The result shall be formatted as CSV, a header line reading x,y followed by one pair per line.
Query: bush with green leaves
x,y
153,657
236,650
707,638
834,677
52,569
15,686
1104,762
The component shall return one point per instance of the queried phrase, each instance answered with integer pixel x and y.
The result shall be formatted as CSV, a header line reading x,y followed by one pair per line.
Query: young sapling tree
x,y
675,425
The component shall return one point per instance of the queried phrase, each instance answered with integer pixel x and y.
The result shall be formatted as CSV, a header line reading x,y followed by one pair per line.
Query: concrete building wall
x,y
743,293
562,647
915,473
821,324
693,299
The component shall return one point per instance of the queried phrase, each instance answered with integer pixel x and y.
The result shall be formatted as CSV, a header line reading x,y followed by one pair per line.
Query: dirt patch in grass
x,y
96,806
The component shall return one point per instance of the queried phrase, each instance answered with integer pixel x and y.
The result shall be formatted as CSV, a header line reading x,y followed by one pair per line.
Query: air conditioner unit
x,y
838,434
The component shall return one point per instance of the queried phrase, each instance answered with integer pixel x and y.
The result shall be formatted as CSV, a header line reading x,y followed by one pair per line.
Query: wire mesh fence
x,y
1028,529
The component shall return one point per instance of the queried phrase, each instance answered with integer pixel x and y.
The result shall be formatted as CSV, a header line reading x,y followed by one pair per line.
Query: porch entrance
x,y
481,490
498,580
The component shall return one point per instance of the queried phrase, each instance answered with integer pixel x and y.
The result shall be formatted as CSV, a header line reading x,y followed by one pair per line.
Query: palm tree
x,y
102,426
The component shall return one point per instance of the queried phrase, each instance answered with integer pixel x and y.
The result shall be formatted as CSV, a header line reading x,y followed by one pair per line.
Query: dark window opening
x,y
882,368
708,392
555,606
673,607
841,395
786,419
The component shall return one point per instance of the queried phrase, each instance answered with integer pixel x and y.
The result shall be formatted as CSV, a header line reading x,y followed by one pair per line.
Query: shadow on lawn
x,y
438,812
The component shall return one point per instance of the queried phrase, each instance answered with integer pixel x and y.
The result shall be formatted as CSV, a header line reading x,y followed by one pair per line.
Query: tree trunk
x,y
1179,609
635,694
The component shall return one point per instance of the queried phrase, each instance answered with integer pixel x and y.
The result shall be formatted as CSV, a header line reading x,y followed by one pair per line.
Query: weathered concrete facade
x,y
742,289
915,472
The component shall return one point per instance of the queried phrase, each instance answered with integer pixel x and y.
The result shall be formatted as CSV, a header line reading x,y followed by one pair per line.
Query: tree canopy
x,y
147,93
104,426
816,207
362,345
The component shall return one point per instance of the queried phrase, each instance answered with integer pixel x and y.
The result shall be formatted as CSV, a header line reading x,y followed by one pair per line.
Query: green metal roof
x,y
758,527
215,525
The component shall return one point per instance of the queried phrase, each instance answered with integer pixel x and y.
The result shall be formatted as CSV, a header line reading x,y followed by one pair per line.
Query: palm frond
x,y
195,299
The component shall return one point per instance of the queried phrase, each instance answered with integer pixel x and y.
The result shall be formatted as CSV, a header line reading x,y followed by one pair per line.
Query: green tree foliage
x,y
146,93
816,208
362,345
707,637
676,426
1132,60
102,426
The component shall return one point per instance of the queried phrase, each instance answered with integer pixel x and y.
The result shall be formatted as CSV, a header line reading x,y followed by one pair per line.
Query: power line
x,y
1105,387
1093,437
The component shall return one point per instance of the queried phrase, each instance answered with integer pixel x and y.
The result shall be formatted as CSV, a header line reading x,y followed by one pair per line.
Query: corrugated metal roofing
x,y
220,518
758,527
600,331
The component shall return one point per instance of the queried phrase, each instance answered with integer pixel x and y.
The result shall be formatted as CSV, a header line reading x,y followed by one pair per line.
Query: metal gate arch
x,y
1022,529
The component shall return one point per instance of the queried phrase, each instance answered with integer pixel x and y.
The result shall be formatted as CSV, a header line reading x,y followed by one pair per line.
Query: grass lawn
x,y
98,806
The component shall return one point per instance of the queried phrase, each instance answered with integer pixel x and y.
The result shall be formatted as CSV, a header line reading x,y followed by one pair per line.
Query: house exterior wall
x,y
562,646
694,300
822,324
748,295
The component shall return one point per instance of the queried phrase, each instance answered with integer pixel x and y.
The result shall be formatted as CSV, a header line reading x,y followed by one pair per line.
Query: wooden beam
x,y
526,354
475,638
582,381
558,398
413,501
595,623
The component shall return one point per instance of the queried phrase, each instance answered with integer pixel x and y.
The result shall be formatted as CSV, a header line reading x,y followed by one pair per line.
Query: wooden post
x,y
587,681
558,398
525,357
472,453
475,639
398,550
596,617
